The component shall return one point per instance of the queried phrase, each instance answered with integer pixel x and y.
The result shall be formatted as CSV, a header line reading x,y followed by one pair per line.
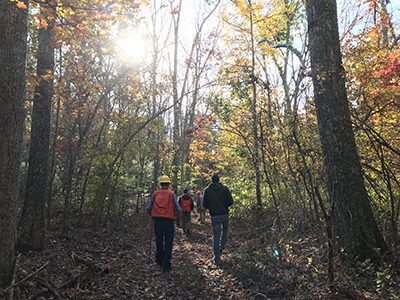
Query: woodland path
x,y
113,262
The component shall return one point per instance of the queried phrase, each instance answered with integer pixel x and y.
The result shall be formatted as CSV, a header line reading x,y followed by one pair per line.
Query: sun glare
x,y
133,46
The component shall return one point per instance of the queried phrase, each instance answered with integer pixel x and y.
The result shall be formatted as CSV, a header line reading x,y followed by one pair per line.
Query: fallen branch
x,y
38,293
258,294
49,288
26,278
89,263
135,247
70,282
94,251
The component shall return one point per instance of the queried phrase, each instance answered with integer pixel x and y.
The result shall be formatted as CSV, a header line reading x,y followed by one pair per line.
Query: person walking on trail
x,y
164,209
200,208
217,199
186,203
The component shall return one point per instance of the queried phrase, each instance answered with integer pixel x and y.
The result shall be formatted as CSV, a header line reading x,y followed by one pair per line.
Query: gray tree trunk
x,y
355,228
177,106
256,156
13,34
32,223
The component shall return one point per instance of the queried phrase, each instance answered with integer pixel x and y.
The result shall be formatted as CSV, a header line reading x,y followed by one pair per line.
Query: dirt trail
x,y
194,272
113,262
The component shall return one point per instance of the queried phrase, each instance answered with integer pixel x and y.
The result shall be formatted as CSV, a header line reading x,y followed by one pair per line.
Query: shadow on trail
x,y
244,274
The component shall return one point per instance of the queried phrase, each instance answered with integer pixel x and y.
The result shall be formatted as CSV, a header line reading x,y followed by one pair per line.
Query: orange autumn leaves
x,y
20,4
388,70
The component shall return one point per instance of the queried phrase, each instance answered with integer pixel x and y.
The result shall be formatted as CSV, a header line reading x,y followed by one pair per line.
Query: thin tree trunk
x,y
83,193
256,158
31,233
114,188
177,105
52,168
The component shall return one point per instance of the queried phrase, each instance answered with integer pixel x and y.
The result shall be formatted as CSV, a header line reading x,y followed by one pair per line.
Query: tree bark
x,y
13,45
177,106
32,223
355,228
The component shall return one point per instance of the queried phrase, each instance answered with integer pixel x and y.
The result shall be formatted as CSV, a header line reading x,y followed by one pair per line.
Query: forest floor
x,y
117,262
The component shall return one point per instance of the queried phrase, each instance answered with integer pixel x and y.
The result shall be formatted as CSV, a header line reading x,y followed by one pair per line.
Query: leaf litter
x,y
116,261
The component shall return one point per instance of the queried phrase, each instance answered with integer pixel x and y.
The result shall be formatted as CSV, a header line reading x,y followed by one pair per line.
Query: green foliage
x,y
386,283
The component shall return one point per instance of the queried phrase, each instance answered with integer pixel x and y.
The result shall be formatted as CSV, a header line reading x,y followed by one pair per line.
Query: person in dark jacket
x,y
217,199
164,209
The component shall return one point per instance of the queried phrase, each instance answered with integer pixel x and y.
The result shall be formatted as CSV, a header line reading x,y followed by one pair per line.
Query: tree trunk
x,y
52,154
177,106
256,158
31,225
355,228
13,34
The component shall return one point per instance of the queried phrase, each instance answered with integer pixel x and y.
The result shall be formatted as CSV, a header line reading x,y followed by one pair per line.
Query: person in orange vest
x,y
164,209
186,203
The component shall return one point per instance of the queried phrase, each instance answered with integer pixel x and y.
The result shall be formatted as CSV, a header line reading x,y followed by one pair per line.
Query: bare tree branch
x,y
290,47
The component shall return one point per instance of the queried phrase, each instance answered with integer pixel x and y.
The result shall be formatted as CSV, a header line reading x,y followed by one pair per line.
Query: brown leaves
x,y
248,271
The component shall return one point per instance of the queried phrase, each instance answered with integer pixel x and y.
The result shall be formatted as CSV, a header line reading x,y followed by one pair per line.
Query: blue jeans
x,y
164,231
219,223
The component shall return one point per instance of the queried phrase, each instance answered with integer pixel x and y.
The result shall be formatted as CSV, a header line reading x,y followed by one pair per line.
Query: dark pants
x,y
186,221
220,229
164,230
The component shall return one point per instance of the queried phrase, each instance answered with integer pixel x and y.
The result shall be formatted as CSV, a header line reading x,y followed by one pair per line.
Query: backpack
x,y
186,204
163,205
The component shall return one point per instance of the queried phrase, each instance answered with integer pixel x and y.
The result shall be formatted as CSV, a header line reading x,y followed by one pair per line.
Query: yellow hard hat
x,y
165,179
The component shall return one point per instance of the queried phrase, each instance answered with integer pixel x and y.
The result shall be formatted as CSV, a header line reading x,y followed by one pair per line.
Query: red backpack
x,y
186,204
163,205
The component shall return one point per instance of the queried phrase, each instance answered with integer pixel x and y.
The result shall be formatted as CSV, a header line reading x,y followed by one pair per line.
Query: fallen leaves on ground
x,y
117,262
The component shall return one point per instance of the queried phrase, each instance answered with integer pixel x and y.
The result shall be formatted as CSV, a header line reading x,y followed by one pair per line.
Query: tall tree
x,y
372,68
354,224
256,159
177,102
13,34
31,225
248,22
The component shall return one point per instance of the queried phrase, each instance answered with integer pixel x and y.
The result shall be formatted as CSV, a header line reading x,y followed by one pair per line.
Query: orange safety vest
x,y
186,204
163,205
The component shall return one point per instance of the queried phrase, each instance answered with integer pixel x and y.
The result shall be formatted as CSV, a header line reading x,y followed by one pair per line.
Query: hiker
x,y
164,209
217,199
186,203
200,208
